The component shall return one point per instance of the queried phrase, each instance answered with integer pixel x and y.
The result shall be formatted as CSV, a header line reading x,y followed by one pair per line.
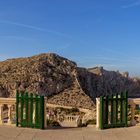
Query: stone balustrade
x,y
8,113
133,102
70,121
7,105
71,118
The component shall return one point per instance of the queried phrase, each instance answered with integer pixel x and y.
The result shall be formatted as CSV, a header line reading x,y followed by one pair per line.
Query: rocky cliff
x,y
46,74
62,81
97,81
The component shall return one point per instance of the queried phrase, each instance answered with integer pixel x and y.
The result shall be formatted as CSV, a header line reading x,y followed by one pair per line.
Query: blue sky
x,y
91,32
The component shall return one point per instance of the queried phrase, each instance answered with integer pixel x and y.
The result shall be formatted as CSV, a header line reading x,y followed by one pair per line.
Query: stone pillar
x,y
1,114
132,122
9,114
97,112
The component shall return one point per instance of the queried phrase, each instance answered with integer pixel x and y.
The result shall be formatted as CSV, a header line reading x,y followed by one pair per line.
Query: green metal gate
x,y
113,111
29,110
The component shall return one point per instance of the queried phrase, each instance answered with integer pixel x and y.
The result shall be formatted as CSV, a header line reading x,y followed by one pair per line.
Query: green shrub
x,y
55,123
49,122
52,123
75,110
136,112
93,121
83,125
129,118
68,111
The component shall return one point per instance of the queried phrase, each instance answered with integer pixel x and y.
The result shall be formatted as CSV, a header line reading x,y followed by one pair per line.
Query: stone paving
x,y
14,133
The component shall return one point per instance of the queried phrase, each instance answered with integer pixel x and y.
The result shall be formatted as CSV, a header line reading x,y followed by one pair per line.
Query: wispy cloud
x,y
14,37
135,3
34,28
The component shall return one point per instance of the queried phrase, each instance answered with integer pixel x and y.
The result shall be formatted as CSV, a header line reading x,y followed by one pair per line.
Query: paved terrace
x,y
14,133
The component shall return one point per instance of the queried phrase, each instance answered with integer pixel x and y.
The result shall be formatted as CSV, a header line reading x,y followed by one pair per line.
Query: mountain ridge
x,y
62,81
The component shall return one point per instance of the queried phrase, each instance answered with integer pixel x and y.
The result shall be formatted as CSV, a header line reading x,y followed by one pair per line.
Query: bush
x,y
83,125
52,123
136,112
68,111
93,121
55,123
75,110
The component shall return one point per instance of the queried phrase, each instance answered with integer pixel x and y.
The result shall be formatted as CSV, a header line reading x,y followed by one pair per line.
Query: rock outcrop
x,y
46,74
42,74
97,81
62,81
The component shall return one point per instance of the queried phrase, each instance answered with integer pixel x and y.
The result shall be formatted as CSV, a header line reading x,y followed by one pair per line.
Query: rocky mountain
x,y
62,81
97,81
46,74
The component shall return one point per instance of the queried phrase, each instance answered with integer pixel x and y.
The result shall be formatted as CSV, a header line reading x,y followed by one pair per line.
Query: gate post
x,y
97,112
